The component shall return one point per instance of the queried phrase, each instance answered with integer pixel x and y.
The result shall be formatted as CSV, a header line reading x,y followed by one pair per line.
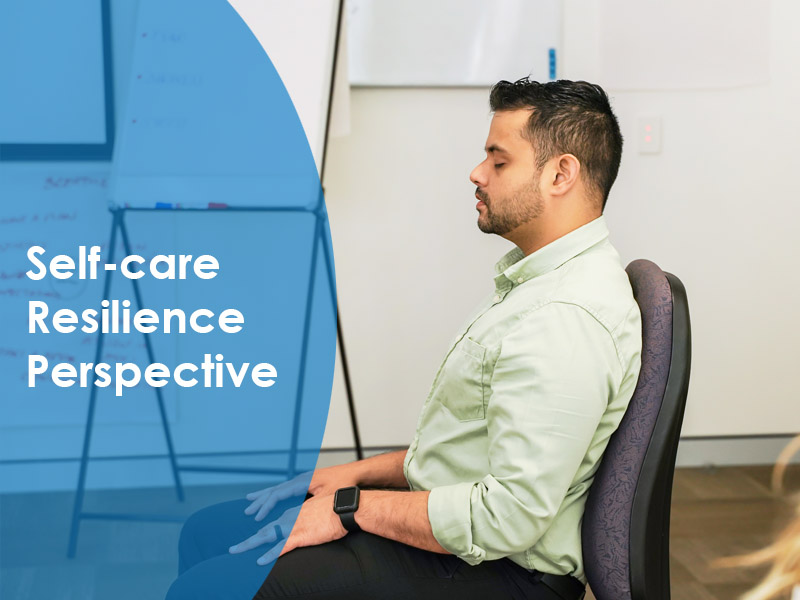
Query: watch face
x,y
346,499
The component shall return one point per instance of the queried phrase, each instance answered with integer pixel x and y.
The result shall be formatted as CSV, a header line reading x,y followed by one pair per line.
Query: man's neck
x,y
536,234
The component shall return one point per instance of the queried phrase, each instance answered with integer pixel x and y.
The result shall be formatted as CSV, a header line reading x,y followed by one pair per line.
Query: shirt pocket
x,y
461,389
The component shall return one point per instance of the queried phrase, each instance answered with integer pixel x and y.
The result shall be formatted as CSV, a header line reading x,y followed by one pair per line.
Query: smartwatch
x,y
345,504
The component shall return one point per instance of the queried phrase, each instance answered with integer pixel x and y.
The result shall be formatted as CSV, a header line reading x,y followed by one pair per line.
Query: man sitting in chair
x,y
487,501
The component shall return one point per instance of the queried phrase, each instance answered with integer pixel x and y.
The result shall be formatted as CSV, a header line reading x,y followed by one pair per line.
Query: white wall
x,y
410,263
718,207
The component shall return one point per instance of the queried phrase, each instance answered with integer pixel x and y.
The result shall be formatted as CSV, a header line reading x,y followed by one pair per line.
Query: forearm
x,y
399,516
382,471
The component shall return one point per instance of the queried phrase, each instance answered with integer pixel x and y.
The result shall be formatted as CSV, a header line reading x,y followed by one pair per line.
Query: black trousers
x,y
358,566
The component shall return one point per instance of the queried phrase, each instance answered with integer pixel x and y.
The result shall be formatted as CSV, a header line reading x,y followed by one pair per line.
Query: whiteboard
x,y
55,69
60,208
62,104
451,42
299,37
206,123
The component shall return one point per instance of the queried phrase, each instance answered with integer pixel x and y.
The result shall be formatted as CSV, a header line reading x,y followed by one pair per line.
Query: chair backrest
x,y
625,527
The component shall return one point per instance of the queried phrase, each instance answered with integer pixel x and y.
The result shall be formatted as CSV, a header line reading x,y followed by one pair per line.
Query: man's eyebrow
x,y
495,148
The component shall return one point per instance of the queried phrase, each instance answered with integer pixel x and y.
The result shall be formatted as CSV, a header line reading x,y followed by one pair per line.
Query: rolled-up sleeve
x,y
550,386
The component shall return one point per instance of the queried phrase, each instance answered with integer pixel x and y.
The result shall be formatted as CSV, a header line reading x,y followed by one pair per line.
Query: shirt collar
x,y
517,268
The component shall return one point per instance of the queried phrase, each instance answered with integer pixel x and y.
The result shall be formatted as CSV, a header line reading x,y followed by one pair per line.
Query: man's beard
x,y
522,206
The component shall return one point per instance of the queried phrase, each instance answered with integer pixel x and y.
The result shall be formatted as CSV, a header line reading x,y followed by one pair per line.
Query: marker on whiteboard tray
x,y
164,205
217,205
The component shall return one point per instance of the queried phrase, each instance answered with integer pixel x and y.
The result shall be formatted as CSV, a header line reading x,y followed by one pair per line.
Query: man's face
x,y
507,181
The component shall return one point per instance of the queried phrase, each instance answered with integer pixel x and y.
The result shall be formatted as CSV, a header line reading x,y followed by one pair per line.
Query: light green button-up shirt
x,y
521,410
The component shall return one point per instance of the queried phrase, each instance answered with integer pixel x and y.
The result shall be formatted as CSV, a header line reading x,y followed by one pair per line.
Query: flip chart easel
x,y
118,227
319,238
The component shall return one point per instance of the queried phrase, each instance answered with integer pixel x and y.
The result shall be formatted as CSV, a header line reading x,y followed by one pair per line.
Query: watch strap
x,y
349,521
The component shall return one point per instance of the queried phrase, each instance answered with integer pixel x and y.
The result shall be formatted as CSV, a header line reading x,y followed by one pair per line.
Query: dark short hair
x,y
569,117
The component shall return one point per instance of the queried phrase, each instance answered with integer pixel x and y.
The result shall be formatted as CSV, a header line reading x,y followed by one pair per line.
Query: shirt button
x,y
497,298
520,280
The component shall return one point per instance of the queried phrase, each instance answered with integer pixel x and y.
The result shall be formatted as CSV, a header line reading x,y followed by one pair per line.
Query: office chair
x,y
625,529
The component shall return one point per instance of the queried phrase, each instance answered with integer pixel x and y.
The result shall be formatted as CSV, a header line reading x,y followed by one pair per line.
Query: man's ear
x,y
566,169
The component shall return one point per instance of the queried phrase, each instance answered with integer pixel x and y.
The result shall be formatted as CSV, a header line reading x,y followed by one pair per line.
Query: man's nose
x,y
477,176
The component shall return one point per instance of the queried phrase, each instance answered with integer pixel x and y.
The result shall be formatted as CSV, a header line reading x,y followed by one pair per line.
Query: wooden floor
x,y
715,512
719,512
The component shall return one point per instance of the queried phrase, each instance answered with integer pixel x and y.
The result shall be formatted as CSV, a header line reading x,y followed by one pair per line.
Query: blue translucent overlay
x,y
209,158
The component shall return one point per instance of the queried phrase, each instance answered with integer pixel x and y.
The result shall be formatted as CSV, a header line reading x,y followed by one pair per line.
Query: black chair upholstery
x,y
625,528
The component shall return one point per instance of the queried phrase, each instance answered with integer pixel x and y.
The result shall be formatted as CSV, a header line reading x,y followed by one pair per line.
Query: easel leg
x,y
87,435
118,223
304,349
165,424
340,337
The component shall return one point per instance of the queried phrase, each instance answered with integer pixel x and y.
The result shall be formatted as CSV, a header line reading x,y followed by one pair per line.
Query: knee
x,y
181,589
196,523
196,538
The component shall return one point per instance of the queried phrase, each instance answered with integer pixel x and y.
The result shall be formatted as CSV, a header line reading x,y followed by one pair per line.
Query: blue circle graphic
x,y
161,214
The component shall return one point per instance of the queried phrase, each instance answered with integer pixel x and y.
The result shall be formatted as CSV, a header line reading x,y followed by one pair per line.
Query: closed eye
x,y
498,165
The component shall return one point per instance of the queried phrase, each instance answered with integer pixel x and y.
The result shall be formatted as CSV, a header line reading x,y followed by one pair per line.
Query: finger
x,y
256,495
268,500
268,557
272,500
264,535
243,546
265,508
279,550
255,505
